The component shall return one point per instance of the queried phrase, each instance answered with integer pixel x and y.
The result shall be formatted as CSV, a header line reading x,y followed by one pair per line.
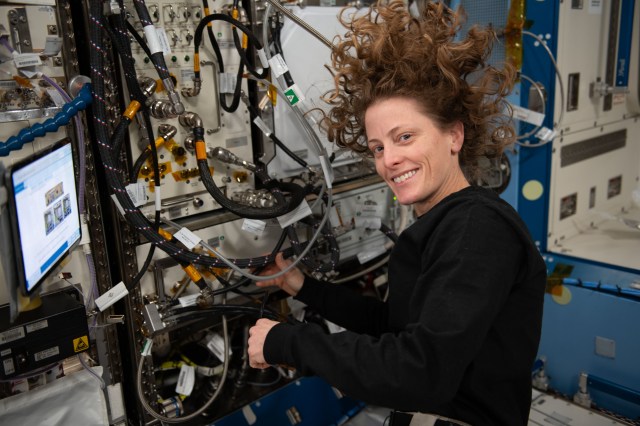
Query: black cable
x,y
243,57
139,39
212,39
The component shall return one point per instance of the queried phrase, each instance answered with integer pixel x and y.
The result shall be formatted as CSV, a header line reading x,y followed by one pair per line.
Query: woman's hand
x,y
257,336
291,282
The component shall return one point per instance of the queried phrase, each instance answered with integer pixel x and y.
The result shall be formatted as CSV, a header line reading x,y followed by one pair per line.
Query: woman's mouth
x,y
403,177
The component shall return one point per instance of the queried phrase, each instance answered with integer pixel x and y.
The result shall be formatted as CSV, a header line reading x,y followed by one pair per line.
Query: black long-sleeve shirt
x,y
461,327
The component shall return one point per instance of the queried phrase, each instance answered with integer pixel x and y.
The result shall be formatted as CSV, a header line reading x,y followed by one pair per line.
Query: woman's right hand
x,y
291,282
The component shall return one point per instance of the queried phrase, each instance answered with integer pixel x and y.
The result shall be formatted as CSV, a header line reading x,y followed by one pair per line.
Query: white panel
x,y
583,36
306,58
593,232
547,410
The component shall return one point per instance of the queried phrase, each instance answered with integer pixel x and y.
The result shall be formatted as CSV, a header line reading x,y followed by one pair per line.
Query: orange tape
x,y
196,62
193,273
131,110
166,235
201,150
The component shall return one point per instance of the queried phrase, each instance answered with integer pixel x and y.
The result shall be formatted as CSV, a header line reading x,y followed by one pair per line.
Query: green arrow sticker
x,y
292,96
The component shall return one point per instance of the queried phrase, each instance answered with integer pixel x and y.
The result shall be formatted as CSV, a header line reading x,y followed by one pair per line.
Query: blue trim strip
x,y
624,43
614,389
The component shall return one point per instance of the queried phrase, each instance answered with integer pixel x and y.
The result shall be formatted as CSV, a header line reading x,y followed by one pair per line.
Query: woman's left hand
x,y
257,335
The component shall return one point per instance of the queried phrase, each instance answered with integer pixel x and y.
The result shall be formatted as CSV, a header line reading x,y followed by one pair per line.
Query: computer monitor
x,y
43,208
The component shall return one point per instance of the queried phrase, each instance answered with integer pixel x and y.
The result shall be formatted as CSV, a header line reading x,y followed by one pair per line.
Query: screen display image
x,y
45,212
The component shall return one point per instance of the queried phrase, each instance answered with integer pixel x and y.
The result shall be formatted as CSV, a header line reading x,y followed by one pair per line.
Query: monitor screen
x,y
44,212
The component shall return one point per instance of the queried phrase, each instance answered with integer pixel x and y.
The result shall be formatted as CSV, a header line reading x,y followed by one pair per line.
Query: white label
x,y
215,344
27,60
263,58
262,126
545,134
367,255
52,46
189,300
11,335
187,74
619,98
527,115
297,214
6,352
37,326
226,82
47,353
8,366
163,40
368,222
186,380
138,193
254,226
56,97
370,208
152,39
278,66
595,7
188,238
8,84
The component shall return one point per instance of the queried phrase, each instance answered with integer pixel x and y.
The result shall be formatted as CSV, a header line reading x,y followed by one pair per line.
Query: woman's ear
x,y
457,136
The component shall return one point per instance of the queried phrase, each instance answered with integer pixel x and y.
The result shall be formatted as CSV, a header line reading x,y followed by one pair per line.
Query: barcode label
x,y
11,335
27,60
47,353
37,326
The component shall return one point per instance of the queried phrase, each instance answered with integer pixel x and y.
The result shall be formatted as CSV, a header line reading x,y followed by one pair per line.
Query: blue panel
x,y
535,163
569,332
314,400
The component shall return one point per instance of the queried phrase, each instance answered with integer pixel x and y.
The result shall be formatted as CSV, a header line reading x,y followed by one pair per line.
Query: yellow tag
x,y
81,344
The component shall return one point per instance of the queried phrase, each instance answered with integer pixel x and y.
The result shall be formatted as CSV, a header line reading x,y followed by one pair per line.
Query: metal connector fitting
x,y
190,120
167,131
148,86
162,109
152,318
190,92
229,157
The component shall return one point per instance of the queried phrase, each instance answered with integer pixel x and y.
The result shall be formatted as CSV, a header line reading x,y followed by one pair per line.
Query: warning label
x,y
81,344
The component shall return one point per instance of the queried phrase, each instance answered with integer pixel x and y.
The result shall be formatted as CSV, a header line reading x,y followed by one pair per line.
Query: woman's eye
x,y
405,137
377,149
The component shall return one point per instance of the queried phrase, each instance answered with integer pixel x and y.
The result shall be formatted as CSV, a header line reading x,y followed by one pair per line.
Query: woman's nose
x,y
391,156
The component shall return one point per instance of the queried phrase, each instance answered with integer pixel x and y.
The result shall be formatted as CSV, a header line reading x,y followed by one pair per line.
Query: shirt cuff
x,y
276,344
311,290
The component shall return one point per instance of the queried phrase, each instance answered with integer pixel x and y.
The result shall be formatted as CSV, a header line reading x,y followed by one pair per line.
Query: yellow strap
x,y
131,110
201,150
165,234
193,273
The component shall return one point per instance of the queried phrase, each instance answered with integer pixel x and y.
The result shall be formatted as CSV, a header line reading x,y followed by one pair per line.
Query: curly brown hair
x,y
388,53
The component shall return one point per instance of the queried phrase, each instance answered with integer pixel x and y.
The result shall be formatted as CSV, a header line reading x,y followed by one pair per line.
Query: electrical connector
x,y
114,294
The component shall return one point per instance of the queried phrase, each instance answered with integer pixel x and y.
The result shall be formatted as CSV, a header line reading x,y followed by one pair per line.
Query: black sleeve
x,y
420,368
345,307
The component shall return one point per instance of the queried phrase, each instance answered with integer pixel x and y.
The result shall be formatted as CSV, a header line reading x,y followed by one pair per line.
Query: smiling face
x,y
417,159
